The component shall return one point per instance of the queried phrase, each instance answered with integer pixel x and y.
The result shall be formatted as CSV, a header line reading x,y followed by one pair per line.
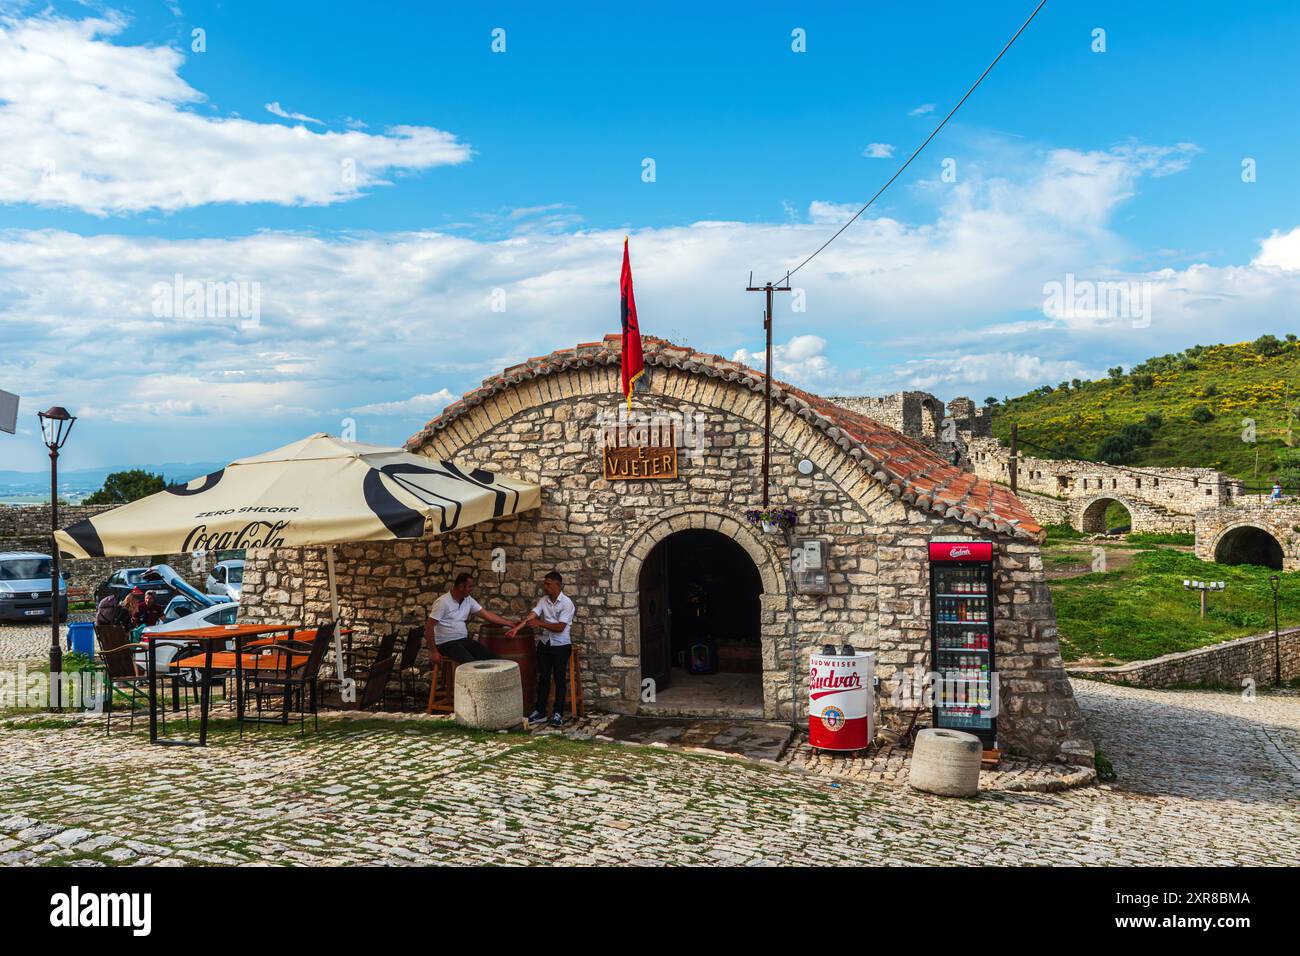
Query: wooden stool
x,y
577,702
442,682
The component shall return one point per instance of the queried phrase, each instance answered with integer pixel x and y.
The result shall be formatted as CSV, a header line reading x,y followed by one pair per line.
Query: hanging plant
x,y
772,519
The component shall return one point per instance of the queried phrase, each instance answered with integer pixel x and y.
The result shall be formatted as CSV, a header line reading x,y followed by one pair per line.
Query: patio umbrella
x,y
319,491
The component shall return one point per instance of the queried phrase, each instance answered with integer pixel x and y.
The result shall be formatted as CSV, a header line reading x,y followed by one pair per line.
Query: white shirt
x,y
449,617
559,611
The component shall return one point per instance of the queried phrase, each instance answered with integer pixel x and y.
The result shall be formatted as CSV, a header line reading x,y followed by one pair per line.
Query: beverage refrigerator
x,y
961,634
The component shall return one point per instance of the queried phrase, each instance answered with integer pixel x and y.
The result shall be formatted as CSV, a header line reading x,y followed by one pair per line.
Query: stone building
x,y
640,558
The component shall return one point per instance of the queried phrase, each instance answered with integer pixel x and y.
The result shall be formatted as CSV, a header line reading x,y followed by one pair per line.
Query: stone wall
x,y
1229,664
1279,520
1175,490
598,533
27,528
1163,499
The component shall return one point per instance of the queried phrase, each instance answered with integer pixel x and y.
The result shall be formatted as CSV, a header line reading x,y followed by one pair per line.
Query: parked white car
x,y
215,616
227,579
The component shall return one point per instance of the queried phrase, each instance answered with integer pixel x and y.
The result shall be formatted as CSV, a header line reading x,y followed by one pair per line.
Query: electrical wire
x,y
918,149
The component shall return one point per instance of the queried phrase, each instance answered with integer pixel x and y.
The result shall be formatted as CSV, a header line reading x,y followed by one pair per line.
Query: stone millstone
x,y
489,695
946,762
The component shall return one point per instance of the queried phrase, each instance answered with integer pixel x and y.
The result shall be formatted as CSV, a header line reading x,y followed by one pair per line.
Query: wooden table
x,y
207,637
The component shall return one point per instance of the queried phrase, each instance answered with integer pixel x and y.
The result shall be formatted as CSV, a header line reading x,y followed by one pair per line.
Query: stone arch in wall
x,y
1092,514
932,416
1248,543
774,626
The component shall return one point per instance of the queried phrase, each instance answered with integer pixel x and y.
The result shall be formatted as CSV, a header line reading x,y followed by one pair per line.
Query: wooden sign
x,y
640,462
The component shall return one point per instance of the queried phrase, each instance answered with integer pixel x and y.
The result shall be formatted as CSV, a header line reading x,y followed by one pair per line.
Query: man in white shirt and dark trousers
x,y
553,617
446,623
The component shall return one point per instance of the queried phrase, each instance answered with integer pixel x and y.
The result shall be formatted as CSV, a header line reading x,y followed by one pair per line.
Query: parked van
x,y
25,587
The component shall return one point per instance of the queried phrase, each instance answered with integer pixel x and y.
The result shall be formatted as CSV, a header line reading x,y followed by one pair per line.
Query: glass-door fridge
x,y
961,630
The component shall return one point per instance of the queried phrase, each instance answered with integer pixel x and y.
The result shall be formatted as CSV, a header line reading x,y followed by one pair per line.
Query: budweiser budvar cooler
x,y
841,701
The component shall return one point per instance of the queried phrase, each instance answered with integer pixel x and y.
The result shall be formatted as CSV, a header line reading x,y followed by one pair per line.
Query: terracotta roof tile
x,y
907,466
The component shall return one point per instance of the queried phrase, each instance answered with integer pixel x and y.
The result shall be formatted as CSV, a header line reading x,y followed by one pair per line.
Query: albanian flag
x,y
632,363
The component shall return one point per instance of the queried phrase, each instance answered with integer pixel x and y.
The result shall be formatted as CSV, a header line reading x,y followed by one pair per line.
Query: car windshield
x,y
134,577
25,569
235,575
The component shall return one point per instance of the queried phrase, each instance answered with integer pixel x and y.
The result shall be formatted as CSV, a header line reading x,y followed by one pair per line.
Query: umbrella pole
x,y
347,687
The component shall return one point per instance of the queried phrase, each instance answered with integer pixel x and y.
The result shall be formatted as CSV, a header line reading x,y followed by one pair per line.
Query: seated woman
x,y
108,611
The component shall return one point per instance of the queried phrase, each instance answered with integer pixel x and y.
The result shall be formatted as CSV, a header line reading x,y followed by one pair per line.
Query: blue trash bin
x,y
81,638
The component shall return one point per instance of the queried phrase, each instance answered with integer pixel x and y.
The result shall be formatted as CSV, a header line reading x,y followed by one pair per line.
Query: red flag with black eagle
x,y
632,363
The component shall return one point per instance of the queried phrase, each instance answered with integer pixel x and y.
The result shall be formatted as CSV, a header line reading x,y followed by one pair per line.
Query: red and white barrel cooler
x,y
841,701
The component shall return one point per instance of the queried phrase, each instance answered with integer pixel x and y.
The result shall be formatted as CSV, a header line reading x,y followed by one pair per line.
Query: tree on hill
x,y
121,487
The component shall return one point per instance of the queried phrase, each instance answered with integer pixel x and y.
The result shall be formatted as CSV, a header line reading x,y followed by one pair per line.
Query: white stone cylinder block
x,y
946,762
488,695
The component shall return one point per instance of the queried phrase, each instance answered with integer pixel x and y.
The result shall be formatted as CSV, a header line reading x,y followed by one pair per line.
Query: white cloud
x,y
277,110
427,405
953,303
1281,250
110,128
949,375
800,360
878,151
922,110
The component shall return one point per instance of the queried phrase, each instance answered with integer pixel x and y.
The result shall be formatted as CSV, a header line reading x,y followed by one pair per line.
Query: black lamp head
x,y
56,423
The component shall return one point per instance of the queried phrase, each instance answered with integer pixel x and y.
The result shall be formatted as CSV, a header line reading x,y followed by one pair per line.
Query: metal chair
x,y
376,682
286,678
116,656
406,668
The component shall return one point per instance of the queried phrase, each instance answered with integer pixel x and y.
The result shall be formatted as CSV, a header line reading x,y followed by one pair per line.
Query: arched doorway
x,y
1249,545
1106,516
701,649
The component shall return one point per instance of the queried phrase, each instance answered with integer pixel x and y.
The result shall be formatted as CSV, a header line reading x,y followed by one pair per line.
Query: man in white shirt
x,y
446,623
553,618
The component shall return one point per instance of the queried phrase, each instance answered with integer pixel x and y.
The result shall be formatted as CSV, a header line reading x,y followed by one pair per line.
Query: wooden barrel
x,y
521,649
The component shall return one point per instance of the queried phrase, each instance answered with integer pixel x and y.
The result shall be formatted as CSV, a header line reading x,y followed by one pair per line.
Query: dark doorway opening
x,y
700,628
1249,545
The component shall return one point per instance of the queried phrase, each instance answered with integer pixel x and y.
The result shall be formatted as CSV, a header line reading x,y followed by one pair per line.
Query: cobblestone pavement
x,y
31,642
1205,778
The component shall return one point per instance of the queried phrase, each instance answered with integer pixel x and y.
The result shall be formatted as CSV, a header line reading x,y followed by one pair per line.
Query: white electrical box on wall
x,y
808,565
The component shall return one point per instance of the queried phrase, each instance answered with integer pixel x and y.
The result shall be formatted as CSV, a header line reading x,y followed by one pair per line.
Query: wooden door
x,y
656,648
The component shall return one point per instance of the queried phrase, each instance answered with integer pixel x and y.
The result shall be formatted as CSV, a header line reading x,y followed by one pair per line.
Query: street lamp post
x,y
1273,582
56,424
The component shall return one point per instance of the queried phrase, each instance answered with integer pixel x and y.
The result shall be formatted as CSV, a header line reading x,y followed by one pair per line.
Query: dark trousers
x,y
465,650
553,660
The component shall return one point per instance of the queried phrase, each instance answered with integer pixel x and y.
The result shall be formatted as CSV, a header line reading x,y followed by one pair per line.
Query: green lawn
x,y
1142,611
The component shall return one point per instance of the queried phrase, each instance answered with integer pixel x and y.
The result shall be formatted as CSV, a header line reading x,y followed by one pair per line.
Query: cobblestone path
x,y
1204,778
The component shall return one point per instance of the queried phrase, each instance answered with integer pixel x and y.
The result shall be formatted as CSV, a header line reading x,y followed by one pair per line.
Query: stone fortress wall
x,y
1054,490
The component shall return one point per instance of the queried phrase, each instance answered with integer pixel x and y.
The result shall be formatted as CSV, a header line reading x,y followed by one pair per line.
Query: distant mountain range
x,y
18,487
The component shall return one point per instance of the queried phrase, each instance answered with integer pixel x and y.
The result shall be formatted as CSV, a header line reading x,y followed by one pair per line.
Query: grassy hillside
x,y
1183,409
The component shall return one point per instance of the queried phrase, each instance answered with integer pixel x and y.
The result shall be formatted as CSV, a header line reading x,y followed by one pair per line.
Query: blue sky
x,y
134,157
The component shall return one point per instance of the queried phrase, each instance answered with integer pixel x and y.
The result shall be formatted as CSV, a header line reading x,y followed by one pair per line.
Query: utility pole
x,y
1014,462
768,289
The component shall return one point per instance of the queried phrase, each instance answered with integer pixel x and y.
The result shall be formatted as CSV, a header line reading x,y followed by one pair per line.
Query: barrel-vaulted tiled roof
x,y
908,468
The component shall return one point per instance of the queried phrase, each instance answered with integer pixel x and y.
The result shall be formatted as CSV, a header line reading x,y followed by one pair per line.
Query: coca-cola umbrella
x,y
319,491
